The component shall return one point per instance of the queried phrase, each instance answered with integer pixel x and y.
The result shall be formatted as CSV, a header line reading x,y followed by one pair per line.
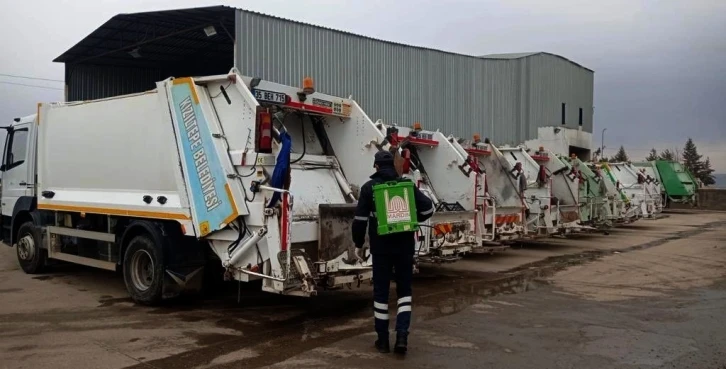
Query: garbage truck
x,y
622,206
617,201
677,184
456,182
533,185
652,185
499,198
595,210
632,184
219,170
565,190
504,206
432,165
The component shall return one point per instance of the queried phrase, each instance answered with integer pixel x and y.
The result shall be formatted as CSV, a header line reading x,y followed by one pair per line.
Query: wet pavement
x,y
650,294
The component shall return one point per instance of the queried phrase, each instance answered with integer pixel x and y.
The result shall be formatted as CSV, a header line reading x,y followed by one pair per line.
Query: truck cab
x,y
17,175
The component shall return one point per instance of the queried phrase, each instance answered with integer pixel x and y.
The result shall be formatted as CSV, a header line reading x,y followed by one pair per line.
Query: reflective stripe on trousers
x,y
383,267
380,314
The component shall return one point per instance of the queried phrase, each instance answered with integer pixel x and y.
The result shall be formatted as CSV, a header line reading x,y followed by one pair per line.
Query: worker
x,y
390,252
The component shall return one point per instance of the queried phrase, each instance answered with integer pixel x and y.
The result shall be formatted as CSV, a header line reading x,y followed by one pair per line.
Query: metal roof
x,y
166,35
509,56
161,36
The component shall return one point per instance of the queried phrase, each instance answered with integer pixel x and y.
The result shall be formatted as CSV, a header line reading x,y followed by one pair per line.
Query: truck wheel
x,y
143,270
30,255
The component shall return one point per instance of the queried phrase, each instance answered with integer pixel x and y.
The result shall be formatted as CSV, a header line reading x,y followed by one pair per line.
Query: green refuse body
x,y
676,181
395,207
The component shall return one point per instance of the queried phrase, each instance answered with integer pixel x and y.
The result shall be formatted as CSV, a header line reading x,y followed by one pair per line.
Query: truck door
x,y
15,176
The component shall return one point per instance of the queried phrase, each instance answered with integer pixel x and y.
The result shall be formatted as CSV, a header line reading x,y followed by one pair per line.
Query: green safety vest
x,y
395,203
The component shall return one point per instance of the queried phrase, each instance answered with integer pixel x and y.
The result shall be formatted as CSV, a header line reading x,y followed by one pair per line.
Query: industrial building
x,y
506,97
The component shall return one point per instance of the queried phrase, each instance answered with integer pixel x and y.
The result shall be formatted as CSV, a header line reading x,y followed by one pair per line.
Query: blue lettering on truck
x,y
212,202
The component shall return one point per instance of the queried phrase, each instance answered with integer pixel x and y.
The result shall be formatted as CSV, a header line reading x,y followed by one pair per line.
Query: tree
x,y
621,156
653,155
667,155
706,174
691,158
700,169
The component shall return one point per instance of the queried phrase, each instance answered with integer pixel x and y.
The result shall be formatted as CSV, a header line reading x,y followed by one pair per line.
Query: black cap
x,y
383,157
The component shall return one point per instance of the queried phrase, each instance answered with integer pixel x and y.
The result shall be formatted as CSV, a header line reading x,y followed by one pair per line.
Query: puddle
x,y
206,339
113,301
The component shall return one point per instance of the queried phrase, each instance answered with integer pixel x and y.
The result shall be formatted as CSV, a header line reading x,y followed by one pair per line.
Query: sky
x,y
660,66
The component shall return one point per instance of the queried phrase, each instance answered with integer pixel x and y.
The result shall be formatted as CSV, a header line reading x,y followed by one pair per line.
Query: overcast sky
x,y
660,66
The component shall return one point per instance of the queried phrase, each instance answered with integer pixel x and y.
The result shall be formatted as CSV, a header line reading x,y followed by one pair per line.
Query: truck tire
x,y
143,270
31,256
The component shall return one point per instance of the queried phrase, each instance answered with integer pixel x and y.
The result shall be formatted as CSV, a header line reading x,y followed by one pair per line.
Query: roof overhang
x,y
154,38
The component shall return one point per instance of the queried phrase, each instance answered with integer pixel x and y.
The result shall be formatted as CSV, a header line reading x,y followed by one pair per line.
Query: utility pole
x,y
602,143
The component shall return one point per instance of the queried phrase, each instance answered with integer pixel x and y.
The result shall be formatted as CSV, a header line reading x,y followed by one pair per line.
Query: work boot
x,y
383,345
401,343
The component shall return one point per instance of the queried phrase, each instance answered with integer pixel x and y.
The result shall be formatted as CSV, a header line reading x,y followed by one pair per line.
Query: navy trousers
x,y
383,269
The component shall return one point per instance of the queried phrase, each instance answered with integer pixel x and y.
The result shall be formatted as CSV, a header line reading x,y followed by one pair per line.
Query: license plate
x,y
270,96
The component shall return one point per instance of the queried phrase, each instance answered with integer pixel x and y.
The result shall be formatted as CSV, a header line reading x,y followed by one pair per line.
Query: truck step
x,y
296,279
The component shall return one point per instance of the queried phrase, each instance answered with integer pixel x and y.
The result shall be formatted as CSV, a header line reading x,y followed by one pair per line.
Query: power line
x,y
27,77
23,84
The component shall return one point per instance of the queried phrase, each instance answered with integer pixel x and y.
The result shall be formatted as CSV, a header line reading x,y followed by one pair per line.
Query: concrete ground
x,y
649,295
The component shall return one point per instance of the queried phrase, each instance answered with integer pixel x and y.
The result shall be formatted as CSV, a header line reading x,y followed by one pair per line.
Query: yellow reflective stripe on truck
x,y
235,213
192,86
112,211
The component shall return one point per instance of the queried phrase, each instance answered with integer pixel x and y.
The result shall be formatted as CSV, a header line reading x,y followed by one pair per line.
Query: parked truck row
x,y
260,180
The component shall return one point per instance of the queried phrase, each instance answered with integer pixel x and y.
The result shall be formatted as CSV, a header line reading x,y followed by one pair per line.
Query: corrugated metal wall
x,y
505,100
553,81
88,82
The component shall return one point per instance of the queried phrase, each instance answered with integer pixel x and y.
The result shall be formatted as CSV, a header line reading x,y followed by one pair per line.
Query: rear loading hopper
x,y
433,164
533,185
595,207
355,145
504,210
457,180
652,185
619,203
632,185
565,182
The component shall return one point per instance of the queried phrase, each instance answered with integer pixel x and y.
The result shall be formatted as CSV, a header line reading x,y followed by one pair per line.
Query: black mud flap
x,y
336,237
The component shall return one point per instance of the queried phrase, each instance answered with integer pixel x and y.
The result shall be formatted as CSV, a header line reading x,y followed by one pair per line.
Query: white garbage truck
x,y
565,189
652,185
152,182
632,185
455,181
617,201
535,188
497,196
450,233
595,208
505,218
